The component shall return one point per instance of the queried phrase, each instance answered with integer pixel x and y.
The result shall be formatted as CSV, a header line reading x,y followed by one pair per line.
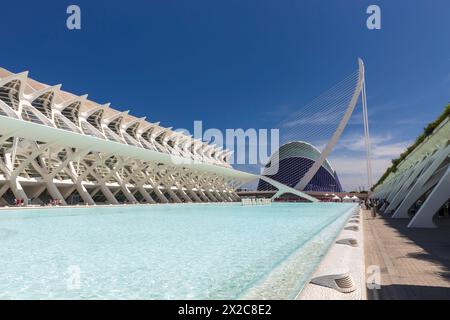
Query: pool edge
x,y
340,257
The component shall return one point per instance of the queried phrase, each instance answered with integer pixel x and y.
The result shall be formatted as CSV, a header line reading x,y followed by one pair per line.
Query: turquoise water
x,y
160,252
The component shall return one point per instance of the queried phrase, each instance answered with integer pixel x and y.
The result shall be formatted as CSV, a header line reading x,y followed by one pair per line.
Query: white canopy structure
x,y
423,175
59,146
346,199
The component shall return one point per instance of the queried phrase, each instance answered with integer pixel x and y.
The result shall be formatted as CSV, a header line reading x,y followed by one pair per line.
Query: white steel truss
x,y
55,145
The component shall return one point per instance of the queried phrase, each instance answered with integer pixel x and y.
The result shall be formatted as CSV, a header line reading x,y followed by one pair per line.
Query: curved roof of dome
x,y
299,149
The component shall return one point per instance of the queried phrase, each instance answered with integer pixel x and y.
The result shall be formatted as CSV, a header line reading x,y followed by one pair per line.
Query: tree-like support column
x,y
108,194
173,195
145,194
194,195
17,190
159,194
211,195
203,195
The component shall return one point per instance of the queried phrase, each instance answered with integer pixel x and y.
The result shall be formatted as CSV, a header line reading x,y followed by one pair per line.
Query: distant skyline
x,y
244,64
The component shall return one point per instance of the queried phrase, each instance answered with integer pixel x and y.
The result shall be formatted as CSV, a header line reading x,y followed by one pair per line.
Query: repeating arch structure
x,y
57,145
292,161
424,175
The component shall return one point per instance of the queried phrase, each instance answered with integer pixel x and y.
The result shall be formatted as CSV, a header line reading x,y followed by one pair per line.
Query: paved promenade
x,y
414,263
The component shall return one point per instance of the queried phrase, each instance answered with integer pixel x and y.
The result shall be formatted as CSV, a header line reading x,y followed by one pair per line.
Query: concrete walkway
x,y
414,263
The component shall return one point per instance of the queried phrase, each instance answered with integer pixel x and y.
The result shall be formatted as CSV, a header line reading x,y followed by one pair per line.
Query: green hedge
x,y
428,130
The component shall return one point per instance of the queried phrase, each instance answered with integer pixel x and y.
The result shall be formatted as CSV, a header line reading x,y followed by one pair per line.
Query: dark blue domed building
x,y
291,162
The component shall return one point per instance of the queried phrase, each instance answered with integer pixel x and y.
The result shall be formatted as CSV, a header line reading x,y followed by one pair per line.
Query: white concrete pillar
x,y
417,190
211,195
84,194
203,195
17,190
108,194
173,195
160,195
3,189
400,195
145,194
194,195
396,187
184,195
440,194
54,192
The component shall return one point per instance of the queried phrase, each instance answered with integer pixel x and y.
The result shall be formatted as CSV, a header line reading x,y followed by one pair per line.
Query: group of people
x,y
19,202
22,202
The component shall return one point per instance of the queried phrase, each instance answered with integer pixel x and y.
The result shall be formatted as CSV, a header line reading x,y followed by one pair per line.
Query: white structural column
x,y
144,193
142,181
108,194
172,194
151,172
226,196
3,189
101,182
79,184
177,178
418,189
215,185
209,188
167,184
114,174
223,189
235,197
400,195
440,194
367,135
138,184
202,194
49,175
187,182
159,194
210,195
51,187
400,183
140,187
15,185
68,191
124,188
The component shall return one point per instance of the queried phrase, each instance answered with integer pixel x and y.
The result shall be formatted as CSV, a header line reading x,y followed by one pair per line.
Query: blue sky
x,y
243,64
